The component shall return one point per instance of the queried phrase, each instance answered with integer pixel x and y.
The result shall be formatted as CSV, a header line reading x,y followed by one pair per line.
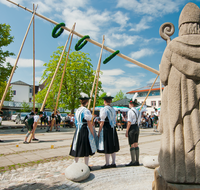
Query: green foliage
x,y
5,40
25,107
100,101
120,95
79,77
5,67
9,94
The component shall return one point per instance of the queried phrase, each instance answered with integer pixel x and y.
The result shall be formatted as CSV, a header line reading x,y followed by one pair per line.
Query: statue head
x,y
189,20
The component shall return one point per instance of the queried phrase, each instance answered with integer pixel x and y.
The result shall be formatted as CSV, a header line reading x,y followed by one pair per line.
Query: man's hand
x,y
126,134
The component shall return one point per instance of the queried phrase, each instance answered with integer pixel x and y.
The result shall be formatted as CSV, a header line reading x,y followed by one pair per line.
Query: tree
x,y
120,95
25,107
100,101
5,67
79,77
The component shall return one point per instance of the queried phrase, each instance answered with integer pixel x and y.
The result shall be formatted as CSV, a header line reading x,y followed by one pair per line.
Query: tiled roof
x,y
146,88
19,82
123,102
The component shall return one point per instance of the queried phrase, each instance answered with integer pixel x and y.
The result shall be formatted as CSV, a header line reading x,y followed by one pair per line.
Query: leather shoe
x,y
105,166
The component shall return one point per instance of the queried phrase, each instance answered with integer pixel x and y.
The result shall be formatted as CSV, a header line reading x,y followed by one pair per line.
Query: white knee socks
x,y
113,157
107,156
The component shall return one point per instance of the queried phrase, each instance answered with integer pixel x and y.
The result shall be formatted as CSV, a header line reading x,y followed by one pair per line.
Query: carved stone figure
x,y
179,123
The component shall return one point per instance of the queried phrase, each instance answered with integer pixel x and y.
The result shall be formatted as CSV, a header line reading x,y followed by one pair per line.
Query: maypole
x,y
15,65
92,41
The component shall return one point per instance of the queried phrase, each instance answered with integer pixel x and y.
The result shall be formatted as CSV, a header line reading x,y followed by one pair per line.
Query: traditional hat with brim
x,y
32,113
134,100
84,96
40,112
107,97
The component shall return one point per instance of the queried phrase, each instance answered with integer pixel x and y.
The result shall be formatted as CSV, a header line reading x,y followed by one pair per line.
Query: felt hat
x,y
108,96
40,112
32,113
134,100
84,96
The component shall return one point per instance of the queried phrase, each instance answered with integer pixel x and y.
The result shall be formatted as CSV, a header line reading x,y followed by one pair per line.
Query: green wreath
x,y
80,45
54,34
110,57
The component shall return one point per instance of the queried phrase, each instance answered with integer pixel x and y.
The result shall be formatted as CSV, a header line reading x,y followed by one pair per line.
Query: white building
x,y
154,98
22,92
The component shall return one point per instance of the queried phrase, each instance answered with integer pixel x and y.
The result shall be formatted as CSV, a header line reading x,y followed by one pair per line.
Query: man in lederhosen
x,y
1,115
132,132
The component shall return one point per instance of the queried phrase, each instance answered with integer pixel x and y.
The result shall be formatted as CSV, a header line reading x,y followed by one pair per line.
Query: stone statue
x,y
179,123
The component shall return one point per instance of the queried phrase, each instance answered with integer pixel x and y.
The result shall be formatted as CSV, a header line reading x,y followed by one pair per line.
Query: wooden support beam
x,y
94,42
63,74
34,60
15,65
98,70
149,92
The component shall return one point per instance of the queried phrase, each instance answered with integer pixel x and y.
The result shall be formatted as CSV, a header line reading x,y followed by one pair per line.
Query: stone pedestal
x,y
159,183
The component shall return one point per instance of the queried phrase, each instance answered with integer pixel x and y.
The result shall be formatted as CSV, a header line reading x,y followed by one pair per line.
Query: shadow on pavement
x,y
8,141
90,178
41,186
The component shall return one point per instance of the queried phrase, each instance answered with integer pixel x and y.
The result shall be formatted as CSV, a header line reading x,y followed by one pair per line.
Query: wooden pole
x,y
45,99
63,74
99,64
94,42
33,61
91,93
55,73
148,92
15,65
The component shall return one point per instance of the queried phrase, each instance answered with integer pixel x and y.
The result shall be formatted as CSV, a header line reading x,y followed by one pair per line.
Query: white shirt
x,y
103,114
87,115
132,116
36,118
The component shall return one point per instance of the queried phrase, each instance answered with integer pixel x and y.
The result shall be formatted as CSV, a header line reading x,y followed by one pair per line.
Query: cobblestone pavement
x,y
51,175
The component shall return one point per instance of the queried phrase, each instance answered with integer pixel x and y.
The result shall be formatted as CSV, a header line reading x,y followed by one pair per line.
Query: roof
x,y
19,82
122,102
146,88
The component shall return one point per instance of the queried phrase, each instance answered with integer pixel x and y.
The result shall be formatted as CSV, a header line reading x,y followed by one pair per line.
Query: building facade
x,y
154,98
22,92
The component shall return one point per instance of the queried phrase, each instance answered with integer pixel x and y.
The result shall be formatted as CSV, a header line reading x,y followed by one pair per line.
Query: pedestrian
x,y
83,144
72,119
1,117
132,132
43,119
50,120
155,120
30,122
119,118
37,116
58,120
108,139
25,122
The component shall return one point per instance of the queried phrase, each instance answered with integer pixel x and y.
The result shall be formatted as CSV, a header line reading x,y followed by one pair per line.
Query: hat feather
x,y
83,95
108,94
134,96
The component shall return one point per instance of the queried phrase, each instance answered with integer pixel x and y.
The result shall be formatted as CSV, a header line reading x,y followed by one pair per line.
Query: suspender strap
x,y
136,117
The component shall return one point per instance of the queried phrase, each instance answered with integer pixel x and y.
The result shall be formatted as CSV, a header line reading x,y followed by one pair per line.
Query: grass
x,y
23,165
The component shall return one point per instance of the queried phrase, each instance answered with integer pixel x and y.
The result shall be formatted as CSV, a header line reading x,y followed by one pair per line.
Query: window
x,y
159,103
30,99
14,92
153,103
30,90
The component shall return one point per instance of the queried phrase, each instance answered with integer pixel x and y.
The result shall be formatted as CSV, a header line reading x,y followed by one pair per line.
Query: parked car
x,y
63,117
20,117
13,117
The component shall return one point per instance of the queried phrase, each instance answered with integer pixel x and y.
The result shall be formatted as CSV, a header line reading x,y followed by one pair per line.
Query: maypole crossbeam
x,y
92,41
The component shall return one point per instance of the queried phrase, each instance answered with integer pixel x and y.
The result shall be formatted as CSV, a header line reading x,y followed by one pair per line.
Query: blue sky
x,y
131,26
